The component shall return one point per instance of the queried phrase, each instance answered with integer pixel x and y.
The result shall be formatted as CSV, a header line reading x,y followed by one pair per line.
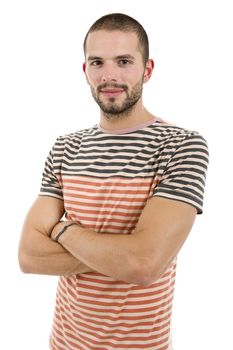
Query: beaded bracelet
x,y
63,230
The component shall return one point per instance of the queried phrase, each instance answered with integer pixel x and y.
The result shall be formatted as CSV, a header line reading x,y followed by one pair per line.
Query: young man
x,y
130,188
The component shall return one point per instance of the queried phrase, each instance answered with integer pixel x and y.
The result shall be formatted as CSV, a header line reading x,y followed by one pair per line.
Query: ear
x,y
148,70
84,71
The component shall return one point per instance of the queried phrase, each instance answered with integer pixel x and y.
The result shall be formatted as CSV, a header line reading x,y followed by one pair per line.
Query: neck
x,y
129,120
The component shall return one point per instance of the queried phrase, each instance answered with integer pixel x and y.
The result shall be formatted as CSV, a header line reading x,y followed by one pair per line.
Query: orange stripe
x,y
105,341
89,341
98,274
103,212
69,336
134,182
80,298
132,220
108,228
58,332
122,297
89,321
105,281
159,316
152,328
93,330
106,191
106,205
124,199
114,307
121,331
125,302
130,311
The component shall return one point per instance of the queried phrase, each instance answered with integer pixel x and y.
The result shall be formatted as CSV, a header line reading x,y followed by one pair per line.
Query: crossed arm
x,y
139,258
38,253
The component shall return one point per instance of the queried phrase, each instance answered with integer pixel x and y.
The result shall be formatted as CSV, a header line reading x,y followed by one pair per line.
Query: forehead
x,y
102,42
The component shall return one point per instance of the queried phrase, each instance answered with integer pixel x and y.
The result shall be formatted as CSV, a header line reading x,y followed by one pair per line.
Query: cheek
x,y
93,80
134,76
93,76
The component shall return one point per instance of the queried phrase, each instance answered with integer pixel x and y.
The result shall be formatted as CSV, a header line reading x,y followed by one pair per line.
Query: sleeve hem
x,y
184,200
49,194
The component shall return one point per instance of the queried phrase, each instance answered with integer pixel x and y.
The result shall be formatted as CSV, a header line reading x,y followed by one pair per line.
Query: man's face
x,y
114,70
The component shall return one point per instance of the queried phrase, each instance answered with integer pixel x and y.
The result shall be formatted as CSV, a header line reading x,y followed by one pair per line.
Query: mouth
x,y
111,92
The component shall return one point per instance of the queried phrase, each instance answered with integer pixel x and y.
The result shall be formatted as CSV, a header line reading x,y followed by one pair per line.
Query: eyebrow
x,y
125,56
92,58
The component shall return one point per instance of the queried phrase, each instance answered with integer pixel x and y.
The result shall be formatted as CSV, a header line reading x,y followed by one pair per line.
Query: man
x,y
130,188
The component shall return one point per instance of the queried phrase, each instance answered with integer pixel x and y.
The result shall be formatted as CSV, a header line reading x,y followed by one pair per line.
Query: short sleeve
x,y
184,175
51,180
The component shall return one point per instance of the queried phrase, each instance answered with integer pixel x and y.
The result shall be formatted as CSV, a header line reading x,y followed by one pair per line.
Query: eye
x,y
96,63
124,61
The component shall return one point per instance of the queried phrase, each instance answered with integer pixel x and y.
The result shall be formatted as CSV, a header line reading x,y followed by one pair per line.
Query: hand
x,y
58,227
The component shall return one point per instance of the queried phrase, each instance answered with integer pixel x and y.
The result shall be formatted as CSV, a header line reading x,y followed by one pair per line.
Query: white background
x,y
44,95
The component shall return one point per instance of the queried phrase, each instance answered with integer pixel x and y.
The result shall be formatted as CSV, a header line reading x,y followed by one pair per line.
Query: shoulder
x,y
74,139
175,137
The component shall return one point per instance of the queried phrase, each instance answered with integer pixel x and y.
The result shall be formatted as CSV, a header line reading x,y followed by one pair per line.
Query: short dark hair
x,y
124,23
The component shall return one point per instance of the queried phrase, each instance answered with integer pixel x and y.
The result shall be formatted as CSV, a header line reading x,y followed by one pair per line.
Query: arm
x,y
38,253
141,257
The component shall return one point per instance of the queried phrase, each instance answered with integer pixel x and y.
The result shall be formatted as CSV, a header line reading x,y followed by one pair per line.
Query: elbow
x,y
144,278
24,263
144,274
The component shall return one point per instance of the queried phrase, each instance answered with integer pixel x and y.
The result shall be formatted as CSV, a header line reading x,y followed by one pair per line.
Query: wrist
x,y
60,228
62,231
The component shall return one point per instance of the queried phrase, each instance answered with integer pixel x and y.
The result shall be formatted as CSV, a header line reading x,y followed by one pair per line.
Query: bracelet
x,y
63,230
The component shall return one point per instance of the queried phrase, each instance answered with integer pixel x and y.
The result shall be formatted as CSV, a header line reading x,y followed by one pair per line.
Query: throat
x,y
125,121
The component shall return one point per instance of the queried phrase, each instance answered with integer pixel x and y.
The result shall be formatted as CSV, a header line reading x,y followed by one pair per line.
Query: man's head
x,y
116,64
124,23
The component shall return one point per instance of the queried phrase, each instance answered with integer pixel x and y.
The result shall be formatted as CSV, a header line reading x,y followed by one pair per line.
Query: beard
x,y
113,109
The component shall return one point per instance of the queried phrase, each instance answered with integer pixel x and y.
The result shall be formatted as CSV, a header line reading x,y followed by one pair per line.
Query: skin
x,y
113,76
116,78
145,254
38,253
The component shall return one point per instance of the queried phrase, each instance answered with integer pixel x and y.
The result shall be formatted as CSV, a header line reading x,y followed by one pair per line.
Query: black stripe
x,y
178,194
44,189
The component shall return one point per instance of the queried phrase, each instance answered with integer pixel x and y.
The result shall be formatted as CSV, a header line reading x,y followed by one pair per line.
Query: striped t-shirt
x,y
105,179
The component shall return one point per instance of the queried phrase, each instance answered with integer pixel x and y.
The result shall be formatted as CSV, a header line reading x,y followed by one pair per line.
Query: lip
x,y
112,92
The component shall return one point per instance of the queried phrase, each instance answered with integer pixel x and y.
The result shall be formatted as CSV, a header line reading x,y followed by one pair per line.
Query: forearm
x,y
112,255
47,257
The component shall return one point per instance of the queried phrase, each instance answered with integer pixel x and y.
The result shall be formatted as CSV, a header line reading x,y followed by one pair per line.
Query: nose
x,y
108,79
109,74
